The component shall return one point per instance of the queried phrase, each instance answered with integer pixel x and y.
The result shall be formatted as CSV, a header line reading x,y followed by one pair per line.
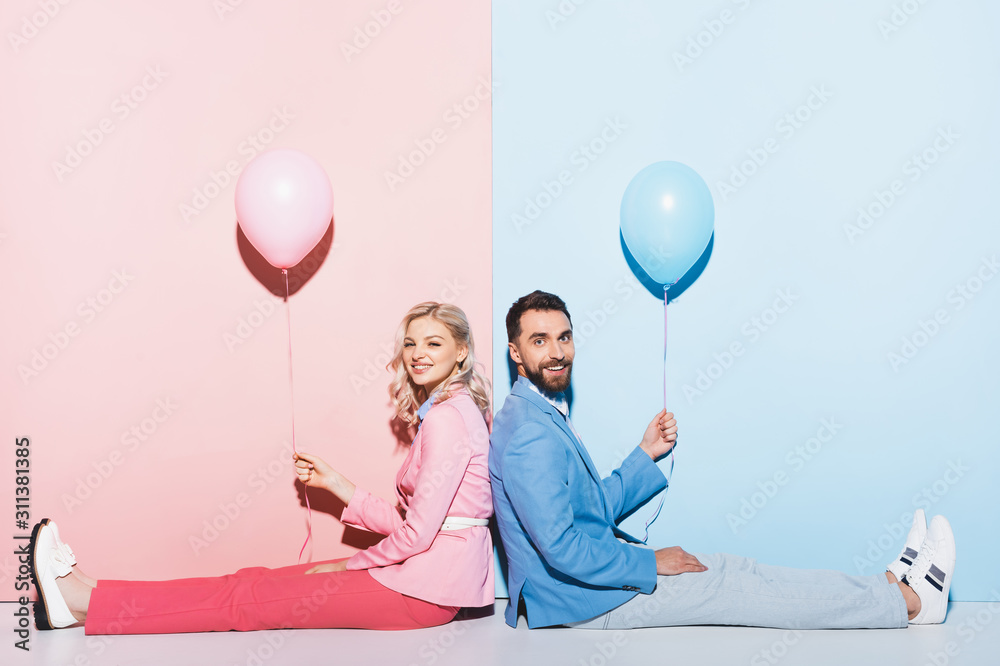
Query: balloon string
x,y
670,474
666,288
291,387
665,296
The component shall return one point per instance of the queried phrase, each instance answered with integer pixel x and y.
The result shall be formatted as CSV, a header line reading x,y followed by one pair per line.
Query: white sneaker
x,y
51,611
899,566
930,575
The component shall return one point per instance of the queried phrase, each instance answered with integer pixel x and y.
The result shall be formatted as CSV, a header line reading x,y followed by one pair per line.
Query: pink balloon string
x,y
291,387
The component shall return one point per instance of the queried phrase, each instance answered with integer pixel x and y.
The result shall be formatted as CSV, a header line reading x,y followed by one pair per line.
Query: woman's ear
x,y
463,353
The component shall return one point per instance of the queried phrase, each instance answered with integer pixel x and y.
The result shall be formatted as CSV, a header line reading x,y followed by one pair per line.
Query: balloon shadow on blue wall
x,y
271,277
654,287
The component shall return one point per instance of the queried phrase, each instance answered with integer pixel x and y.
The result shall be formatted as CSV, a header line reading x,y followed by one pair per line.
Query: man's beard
x,y
547,383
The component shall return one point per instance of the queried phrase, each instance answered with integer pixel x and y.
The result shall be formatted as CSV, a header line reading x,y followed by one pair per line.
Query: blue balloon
x,y
667,218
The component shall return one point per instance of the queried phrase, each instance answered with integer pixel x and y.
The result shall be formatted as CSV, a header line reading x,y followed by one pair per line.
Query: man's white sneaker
x,y
899,566
930,575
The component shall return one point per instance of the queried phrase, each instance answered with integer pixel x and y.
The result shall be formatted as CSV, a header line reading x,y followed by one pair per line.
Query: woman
x,y
437,555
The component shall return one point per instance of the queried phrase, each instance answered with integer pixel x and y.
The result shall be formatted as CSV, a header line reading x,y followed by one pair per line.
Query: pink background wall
x,y
158,323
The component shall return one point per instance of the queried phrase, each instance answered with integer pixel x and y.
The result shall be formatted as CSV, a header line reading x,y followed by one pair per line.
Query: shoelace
x,y
923,561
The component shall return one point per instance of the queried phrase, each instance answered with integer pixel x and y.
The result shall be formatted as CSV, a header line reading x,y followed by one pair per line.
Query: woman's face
x,y
430,353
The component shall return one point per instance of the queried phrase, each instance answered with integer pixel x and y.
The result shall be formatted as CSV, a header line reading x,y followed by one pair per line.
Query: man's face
x,y
544,351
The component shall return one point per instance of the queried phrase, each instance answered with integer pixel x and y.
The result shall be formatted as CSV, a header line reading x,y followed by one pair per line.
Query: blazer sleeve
x,y
371,513
535,472
444,457
633,482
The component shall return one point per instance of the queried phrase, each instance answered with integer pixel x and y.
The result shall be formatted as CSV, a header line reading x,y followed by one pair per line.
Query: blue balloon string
x,y
670,474
666,288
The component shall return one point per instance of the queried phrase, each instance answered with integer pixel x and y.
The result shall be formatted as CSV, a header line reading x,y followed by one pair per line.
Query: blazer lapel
x,y
523,390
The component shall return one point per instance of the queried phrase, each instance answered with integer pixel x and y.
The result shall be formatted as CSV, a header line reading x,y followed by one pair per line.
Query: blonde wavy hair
x,y
403,391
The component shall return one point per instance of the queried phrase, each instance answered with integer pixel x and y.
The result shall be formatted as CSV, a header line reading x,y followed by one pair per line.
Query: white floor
x,y
970,636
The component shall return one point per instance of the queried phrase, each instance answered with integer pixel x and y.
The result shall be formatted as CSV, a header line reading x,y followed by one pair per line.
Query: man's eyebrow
x,y
541,334
568,331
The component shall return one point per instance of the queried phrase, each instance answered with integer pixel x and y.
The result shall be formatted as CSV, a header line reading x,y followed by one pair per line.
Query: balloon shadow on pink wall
x,y
298,275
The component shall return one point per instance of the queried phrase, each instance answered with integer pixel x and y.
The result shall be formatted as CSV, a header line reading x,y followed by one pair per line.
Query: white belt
x,y
458,523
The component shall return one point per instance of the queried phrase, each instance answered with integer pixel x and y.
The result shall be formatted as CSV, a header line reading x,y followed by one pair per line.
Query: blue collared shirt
x,y
426,407
557,400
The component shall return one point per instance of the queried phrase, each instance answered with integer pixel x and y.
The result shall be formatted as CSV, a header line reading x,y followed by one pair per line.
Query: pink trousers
x,y
257,598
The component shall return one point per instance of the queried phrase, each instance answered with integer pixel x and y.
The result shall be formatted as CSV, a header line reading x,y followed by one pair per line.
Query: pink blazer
x,y
445,474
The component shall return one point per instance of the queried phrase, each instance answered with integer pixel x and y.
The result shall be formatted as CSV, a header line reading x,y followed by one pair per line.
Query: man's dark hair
x,y
536,300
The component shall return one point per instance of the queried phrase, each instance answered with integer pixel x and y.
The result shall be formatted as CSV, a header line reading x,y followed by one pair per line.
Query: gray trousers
x,y
738,591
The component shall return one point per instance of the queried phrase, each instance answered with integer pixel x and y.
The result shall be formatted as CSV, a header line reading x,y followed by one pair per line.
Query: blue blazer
x,y
558,517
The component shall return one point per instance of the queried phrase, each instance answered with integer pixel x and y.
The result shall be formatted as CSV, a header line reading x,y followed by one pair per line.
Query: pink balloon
x,y
284,203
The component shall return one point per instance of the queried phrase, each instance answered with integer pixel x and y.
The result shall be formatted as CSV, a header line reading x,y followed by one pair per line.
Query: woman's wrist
x,y
348,492
341,488
345,491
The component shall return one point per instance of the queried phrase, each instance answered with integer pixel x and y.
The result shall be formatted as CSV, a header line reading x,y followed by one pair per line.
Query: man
x,y
569,564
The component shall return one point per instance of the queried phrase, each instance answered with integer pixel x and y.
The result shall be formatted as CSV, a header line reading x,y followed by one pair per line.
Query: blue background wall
x,y
842,99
